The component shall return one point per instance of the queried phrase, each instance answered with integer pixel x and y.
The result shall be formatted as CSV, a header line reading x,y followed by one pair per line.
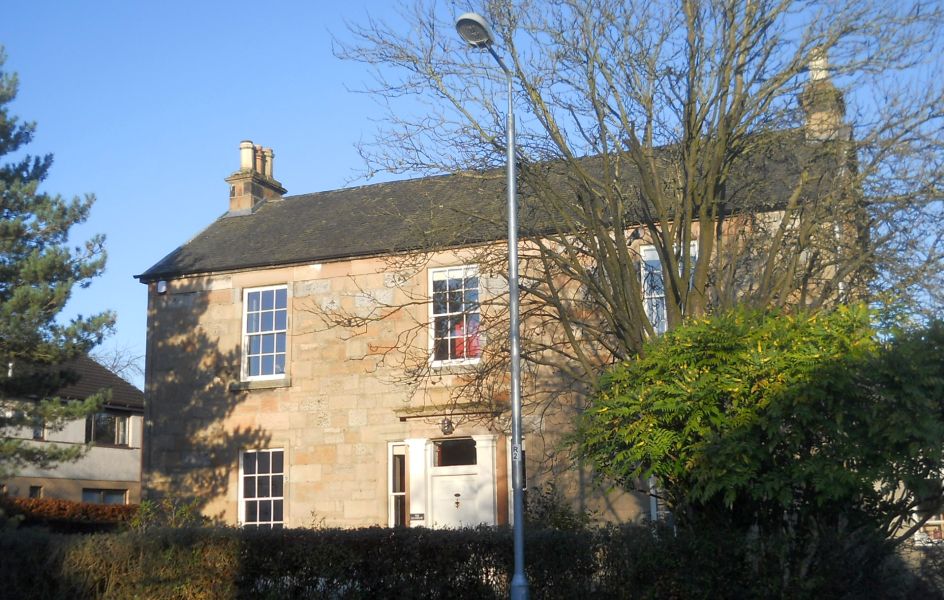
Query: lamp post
x,y
475,31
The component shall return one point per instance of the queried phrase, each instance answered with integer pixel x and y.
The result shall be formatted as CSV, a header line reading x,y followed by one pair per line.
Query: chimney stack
x,y
253,184
822,101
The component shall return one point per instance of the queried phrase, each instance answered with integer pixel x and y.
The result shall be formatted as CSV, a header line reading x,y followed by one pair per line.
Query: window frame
x,y
245,336
439,451
39,429
466,272
647,296
397,451
242,499
101,492
118,441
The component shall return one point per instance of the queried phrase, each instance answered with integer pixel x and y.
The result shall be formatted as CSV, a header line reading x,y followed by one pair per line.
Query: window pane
x,y
441,350
268,343
249,463
472,337
455,301
121,433
279,364
268,299
653,281
253,301
399,473
255,344
277,461
450,453
249,486
281,318
280,342
268,365
114,496
252,511
92,496
472,299
254,366
104,429
252,323
277,510
265,511
439,286
277,486
281,298
267,320
262,462
439,304
441,327
263,489
399,511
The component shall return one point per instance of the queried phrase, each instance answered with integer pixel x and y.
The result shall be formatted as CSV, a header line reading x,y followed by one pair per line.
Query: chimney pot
x,y
819,64
269,156
245,155
260,160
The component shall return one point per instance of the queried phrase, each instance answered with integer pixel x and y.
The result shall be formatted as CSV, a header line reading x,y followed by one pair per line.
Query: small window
x,y
262,489
455,314
39,428
106,429
102,496
266,332
454,453
35,491
397,516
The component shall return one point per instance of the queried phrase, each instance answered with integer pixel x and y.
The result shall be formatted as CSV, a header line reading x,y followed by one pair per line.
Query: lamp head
x,y
474,30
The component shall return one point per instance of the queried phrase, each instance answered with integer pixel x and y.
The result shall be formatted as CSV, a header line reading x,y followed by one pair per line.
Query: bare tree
x,y
123,361
768,152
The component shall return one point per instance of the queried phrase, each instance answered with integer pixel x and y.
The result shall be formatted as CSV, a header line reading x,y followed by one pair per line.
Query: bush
x,y
546,508
630,561
67,515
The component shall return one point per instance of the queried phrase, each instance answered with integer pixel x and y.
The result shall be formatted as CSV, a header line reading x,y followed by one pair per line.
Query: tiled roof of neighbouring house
x,y
93,377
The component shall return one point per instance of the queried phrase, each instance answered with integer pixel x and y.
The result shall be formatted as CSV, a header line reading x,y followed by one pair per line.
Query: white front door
x,y
451,482
460,501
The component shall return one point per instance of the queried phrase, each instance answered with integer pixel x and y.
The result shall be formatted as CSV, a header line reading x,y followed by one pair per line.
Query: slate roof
x,y
426,213
345,223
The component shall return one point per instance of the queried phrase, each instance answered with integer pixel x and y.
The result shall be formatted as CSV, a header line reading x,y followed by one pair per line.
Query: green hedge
x,y
221,563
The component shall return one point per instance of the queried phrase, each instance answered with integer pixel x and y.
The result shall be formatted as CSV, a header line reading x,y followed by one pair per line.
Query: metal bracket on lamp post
x,y
474,30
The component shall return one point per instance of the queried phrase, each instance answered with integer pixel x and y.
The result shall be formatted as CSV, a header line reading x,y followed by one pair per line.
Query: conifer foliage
x,y
38,271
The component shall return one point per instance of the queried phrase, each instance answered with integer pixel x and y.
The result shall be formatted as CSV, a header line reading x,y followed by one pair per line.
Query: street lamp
x,y
475,31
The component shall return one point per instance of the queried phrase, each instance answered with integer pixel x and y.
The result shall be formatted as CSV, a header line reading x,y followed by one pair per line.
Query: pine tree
x,y
38,271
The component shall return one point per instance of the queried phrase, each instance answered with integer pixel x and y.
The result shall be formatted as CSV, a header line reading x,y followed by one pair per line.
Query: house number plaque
x,y
417,516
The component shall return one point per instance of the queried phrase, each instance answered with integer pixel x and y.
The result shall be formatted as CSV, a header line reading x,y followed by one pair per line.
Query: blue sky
x,y
144,104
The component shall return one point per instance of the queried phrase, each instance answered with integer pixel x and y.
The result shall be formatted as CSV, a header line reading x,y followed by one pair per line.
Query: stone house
x,y
307,356
110,471
270,417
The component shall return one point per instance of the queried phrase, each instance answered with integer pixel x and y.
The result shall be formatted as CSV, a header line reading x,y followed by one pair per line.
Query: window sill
x,y
260,384
455,365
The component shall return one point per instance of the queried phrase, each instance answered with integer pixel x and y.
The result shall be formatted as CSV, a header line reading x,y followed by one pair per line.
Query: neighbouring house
x,y
280,385
110,471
